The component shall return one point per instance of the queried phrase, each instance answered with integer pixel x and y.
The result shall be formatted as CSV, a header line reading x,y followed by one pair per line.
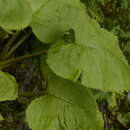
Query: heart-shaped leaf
x,y
94,67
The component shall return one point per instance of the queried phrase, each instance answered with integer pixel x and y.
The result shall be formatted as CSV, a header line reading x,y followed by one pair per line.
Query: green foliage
x,y
88,61
15,14
1,118
53,113
94,9
124,119
67,106
56,20
8,87
82,58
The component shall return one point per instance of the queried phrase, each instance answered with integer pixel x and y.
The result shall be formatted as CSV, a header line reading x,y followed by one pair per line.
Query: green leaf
x,y
67,106
8,87
36,4
1,118
49,112
50,23
15,14
3,33
124,118
56,16
94,66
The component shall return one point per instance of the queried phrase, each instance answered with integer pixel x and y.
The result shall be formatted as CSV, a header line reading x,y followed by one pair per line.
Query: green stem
x,y
8,45
17,45
4,64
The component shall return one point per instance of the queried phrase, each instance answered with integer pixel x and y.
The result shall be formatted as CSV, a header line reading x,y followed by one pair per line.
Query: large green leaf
x,y
51,113
67,106
15,14
95,51
56,16
8,87
94,67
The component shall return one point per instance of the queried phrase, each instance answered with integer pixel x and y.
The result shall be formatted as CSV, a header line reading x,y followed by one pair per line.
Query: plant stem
x,y
8,45
7,63
17,45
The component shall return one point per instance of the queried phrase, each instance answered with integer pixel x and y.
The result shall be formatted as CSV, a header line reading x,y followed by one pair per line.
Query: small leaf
x,y
15,14
8,87
1,118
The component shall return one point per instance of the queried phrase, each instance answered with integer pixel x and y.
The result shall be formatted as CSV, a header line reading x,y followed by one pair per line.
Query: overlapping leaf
x,y
55,17
95,67
15,14
8,87
49,112
67,106
95,51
